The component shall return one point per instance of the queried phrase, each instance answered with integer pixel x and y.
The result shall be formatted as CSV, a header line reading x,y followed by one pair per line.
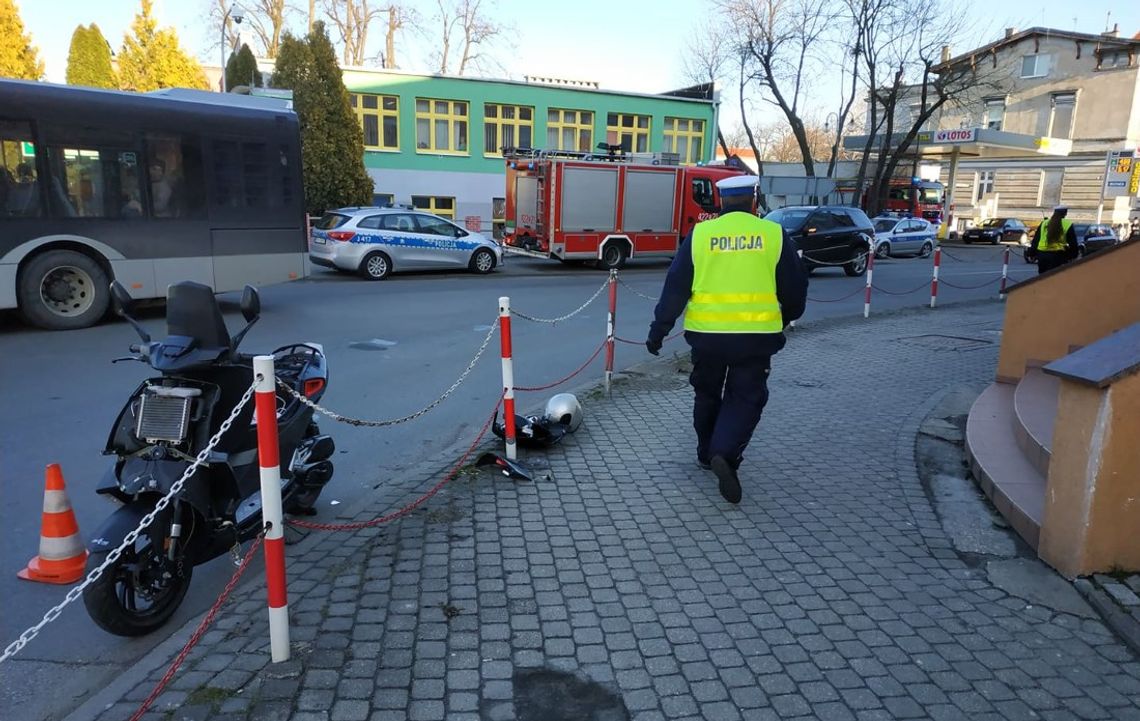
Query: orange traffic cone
x,y
62,554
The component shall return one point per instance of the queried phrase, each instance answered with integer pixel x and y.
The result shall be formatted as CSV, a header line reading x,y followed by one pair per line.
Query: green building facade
x,y
435,142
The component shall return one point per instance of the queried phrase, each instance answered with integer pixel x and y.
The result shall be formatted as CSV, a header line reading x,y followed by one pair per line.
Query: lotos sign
x,y
956,136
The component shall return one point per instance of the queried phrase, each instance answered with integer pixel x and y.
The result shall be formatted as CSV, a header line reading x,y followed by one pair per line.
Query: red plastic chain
x,y
560,381
358,525
198,632
675,336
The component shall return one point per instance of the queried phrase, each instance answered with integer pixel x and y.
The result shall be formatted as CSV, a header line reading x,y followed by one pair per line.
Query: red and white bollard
x,y
508,378
934,278
269,458
867,294
1004,274
610,320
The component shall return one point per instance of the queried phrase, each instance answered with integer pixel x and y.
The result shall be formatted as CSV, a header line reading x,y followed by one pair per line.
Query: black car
x,y
1092,237
829,235
997,230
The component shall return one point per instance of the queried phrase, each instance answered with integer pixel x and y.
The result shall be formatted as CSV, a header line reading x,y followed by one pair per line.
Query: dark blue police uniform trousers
x,y
730,394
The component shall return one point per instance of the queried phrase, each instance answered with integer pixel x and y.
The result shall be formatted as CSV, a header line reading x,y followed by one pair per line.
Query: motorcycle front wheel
x,y
139,592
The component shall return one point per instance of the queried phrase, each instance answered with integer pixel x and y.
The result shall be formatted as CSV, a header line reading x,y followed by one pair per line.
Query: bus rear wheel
x,y
63,290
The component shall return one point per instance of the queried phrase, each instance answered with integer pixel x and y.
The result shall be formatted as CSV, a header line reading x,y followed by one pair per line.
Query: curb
x,y
1119,622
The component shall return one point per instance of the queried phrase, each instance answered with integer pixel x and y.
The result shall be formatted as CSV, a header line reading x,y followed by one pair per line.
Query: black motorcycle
x,y
165,424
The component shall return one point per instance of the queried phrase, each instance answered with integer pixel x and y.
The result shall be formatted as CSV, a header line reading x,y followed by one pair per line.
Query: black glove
x,y
653,345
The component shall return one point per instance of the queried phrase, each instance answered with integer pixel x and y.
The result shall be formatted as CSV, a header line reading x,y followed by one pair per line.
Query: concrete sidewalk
x,y
620,585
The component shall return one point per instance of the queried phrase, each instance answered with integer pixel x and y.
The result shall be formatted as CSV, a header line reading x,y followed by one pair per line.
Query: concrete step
x,y
1005,475
1035,412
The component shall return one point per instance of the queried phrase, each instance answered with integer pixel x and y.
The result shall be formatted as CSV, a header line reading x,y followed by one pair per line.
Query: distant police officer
x,y
739,281
1055,242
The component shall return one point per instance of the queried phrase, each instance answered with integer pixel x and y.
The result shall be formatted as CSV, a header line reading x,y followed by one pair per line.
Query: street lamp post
x,y
236,11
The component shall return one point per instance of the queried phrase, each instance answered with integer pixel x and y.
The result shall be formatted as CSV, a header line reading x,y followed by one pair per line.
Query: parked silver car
x,y
903,236
377,241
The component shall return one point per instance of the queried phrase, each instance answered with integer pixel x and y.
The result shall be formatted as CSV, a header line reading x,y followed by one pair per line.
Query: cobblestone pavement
x,y
620,585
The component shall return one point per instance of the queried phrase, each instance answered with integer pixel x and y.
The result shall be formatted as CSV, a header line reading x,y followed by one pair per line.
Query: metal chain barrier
x,y
396,421
675,336
925,285
991,281
569,315
852,294
635,291
861,256
559,382
72,595
359,525
953,257
200,630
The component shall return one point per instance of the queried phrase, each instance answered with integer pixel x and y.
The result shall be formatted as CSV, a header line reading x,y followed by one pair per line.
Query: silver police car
x,y
377,241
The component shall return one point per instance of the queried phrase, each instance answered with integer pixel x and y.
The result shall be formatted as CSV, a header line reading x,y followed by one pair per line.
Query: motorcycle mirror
x,y
123,300
124,304
250,304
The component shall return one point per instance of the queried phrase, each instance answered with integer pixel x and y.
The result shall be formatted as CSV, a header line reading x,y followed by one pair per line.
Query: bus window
x,y
241,175
174,171
94,183
19,179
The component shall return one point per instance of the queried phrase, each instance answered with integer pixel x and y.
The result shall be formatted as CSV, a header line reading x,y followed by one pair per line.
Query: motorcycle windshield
x,y
192,311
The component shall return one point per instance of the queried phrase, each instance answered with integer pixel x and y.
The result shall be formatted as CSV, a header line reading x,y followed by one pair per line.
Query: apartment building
x,y
1052,85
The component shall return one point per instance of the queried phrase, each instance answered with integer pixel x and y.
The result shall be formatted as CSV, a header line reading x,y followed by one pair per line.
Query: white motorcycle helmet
x,y
565,409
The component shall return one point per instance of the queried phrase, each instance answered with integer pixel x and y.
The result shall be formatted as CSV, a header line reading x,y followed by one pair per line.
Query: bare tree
x,y
921,83
706,60
266,18
398,18
784,43
785,147
351,19
466,32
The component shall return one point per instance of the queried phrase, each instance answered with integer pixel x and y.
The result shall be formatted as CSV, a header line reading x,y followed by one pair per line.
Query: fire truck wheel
x,y
613,256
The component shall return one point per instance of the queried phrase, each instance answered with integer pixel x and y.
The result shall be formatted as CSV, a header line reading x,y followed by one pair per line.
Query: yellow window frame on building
x,y
569,129
379,117
506,126
628,130
441,205
685,137
442,126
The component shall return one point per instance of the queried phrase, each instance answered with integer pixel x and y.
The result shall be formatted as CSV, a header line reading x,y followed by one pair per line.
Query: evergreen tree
x,y
332,144
152,57
18,57
241,69
89,60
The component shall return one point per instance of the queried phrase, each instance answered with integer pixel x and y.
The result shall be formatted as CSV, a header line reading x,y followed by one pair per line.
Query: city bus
x,y
148,189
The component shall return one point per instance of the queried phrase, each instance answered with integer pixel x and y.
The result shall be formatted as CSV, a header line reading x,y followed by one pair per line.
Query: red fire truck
x,y
606,207
915,197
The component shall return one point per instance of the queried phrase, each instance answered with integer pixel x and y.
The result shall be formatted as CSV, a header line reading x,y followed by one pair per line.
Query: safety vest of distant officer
x,y
1058,244
734,276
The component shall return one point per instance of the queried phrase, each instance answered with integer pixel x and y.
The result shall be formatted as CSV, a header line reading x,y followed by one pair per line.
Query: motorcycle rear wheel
x,y
138,575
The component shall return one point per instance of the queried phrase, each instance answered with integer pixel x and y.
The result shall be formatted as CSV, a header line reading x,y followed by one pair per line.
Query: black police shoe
x,y
729,482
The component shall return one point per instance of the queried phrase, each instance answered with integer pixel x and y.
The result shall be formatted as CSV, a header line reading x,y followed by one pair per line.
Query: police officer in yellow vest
x,y
739,281
1055,242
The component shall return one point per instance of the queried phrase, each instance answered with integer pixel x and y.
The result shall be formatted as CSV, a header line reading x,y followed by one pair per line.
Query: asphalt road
x,y
393,347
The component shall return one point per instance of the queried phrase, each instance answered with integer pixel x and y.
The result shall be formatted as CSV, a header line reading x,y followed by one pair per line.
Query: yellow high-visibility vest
x,y
1044,246
734,276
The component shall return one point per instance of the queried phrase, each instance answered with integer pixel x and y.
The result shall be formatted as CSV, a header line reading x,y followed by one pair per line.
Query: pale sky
x,y
634,45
